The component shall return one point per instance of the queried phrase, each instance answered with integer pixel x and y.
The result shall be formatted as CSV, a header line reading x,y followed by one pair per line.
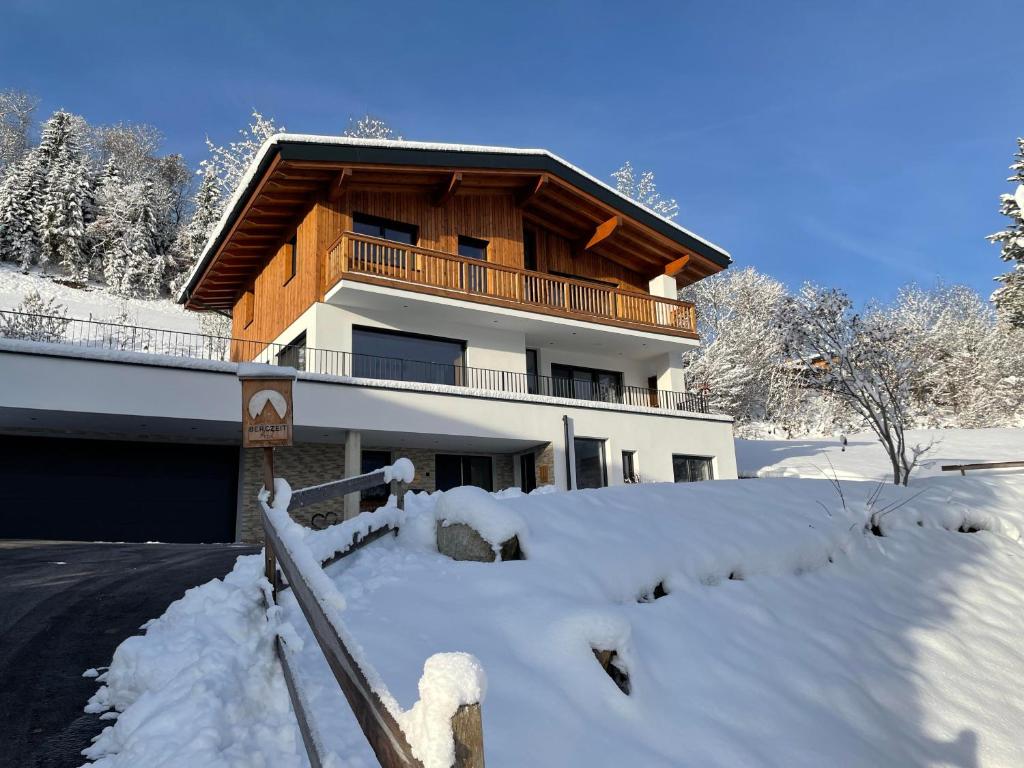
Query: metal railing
x,y
353,255
97,334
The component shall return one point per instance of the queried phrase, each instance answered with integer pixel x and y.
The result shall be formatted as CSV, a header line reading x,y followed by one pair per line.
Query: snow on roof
x,y
241,190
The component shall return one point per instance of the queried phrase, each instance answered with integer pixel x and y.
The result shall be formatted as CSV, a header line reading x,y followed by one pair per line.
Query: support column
x,y
353,467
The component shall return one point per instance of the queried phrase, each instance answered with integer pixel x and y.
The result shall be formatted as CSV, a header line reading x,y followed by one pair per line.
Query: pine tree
x,y
133,265
1009,298
644,191
206,210
21,196
62,225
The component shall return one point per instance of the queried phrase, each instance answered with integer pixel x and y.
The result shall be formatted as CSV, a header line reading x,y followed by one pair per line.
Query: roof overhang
x,y
324,158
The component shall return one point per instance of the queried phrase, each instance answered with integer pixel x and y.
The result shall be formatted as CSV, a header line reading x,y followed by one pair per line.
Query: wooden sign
x,y
266,412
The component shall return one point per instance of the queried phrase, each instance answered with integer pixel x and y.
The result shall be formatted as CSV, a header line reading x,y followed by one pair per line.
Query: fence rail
x,y
96,334
488,282
382,731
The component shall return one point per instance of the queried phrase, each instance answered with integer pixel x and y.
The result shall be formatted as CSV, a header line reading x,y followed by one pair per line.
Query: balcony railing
x,y
359,257
94,334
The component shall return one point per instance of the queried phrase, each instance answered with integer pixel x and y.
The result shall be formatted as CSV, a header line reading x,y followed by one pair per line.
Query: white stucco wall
x,y
77,389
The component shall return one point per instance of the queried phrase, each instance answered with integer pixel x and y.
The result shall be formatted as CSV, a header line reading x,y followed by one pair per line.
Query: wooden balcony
x,y
383,262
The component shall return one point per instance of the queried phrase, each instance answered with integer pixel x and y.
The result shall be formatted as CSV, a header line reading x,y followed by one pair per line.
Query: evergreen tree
x,y
21,196
133,265
1009,298
205,215
62,227
644,191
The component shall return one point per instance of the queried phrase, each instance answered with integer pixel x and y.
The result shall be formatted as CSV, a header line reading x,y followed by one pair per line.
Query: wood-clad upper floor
x,y
538,235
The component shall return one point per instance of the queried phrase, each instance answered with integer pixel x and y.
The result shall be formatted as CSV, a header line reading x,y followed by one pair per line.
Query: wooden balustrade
x,y
371,259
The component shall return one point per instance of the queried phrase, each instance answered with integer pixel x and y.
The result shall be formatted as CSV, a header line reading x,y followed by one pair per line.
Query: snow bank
x,y
201,687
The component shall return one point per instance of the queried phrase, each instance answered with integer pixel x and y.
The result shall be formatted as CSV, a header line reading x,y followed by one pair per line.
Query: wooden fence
x,y
984,465
382,731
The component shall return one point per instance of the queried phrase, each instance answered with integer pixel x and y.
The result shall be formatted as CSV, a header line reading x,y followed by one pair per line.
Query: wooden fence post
x,y
398,489
468,733
268,551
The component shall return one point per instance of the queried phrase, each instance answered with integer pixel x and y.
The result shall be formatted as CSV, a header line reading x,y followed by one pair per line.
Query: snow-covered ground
x,y
864,457
94,302
789,635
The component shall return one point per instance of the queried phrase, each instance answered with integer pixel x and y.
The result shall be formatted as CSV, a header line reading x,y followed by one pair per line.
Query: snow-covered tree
x,y
206,208
229,163
62,225
859,359
1009,298
133,264
16,111
35,319
644,191
739,362
370,127
21,199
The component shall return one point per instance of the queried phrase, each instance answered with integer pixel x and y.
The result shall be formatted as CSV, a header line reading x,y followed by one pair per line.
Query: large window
x,y
529,249
690,469
452,470
590,465
406,357
473,248
294,354
586,383
376,257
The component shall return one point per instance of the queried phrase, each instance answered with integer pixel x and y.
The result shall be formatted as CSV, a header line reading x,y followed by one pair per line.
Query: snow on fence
x,y
444,728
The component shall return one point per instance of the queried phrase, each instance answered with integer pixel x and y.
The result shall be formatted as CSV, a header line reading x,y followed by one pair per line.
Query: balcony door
x,y
476,277
586,383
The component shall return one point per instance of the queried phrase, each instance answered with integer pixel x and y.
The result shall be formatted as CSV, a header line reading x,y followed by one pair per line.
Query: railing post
x,y
468,734
398,490
270,562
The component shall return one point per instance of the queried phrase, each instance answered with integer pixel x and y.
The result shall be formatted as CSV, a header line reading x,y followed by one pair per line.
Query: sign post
x,y
267,423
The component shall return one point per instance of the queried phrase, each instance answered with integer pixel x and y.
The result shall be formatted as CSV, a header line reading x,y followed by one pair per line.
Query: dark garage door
x,y
102,490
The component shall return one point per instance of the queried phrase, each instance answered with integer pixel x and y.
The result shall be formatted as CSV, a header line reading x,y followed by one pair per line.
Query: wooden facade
x,y
579,242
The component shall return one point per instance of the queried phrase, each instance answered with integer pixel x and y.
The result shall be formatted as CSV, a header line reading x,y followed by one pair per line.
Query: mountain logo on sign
x,y
258,402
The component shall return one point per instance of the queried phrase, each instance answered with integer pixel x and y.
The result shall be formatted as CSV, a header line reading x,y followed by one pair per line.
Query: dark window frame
x,y
383,224
474,242
532,376
293,259
530,248
602,453
629,473
248,306
560,387
293,354
693,462
458,369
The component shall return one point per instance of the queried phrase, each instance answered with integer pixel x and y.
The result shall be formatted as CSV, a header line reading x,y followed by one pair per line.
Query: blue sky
x,y
862,145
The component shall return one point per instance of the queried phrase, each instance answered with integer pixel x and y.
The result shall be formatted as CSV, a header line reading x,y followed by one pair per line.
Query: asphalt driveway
x,y
64,607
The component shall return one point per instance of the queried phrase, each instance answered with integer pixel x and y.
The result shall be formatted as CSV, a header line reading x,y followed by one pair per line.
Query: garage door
x,y
100,490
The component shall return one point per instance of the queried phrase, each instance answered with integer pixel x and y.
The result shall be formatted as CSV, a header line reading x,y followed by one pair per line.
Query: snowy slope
x,y
828,646
95,302
865,458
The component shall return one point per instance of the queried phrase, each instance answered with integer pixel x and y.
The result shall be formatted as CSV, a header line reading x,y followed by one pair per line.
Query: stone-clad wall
x,y
312,463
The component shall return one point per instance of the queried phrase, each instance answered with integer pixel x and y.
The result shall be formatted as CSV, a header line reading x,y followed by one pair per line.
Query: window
x,y
293,258
690,469
382,255
590,467
406,357
586,383
629,473
530,249
471,248
532,379
374,226
248,307
370,461
452,470
294,354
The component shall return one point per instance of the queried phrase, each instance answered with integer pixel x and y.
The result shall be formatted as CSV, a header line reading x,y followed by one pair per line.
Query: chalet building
x,y
515,319
496,315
